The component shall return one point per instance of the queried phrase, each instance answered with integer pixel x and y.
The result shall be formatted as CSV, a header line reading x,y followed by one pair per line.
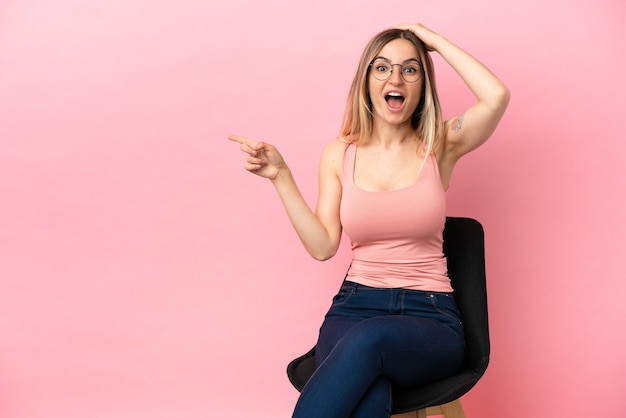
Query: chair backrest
x,y
464,246
465,249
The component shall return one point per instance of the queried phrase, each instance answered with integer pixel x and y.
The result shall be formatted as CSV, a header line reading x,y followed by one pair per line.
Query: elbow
x,y
323,255
498,100
504,96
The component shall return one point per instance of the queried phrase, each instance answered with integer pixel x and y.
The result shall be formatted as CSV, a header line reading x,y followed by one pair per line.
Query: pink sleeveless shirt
x,y
396,235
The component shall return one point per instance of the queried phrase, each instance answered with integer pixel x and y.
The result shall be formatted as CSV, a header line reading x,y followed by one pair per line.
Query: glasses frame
x,y
415,62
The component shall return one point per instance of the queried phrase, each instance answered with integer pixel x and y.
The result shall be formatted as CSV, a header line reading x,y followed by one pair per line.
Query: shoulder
x,y
334,150
337,145
332,157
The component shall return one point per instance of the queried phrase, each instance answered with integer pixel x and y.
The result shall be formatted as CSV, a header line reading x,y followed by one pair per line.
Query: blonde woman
x,y
383,182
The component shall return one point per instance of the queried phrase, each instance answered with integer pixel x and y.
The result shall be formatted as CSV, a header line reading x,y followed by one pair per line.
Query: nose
x,y
396,74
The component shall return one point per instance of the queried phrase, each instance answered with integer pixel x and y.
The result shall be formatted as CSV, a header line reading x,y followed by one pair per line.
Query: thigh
x,y
411,350
332,330
407,350
416,334
351,305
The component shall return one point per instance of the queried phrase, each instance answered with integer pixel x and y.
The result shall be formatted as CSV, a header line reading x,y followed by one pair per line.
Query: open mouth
x,y
394,100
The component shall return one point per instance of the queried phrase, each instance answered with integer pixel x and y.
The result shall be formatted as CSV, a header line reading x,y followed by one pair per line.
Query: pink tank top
x,y
396,235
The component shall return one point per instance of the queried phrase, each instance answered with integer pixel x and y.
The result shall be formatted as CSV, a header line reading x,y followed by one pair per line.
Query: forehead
x,y
398,50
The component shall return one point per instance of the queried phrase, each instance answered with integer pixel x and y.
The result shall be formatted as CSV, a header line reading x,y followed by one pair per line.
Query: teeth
x,y
394,94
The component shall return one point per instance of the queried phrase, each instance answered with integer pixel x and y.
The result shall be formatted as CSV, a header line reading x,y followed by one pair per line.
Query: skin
x,y
389,160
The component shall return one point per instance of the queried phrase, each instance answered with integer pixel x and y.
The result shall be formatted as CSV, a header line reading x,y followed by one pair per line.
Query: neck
x,y
392,135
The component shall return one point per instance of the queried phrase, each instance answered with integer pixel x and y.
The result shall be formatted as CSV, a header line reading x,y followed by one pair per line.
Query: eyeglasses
x,y
382,69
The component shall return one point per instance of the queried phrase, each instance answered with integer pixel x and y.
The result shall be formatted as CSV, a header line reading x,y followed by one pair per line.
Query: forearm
x,y
311,231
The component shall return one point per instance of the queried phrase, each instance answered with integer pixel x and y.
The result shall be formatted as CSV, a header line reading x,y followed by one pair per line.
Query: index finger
x,y
241,139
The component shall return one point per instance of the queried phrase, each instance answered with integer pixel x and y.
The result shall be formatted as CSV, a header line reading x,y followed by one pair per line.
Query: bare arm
x,y
319,231
468,131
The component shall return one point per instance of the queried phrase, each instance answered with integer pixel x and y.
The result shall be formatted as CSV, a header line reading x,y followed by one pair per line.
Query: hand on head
x,y
427,36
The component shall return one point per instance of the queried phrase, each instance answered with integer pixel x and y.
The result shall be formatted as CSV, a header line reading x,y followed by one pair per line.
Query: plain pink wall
x,y
144,273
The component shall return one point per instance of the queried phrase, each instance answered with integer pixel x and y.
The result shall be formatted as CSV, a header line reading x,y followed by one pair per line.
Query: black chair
x,y
464,247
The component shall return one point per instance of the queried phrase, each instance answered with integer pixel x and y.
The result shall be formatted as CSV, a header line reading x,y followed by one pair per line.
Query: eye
x,y
381,67
410,69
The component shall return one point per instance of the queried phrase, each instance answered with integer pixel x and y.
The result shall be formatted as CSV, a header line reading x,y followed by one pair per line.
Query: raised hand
x,y
263,159
428,36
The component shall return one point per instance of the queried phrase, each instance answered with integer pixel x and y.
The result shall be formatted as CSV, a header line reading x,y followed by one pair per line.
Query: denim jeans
x,y
373,339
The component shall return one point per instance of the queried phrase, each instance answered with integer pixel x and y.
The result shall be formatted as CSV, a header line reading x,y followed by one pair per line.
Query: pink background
x,y
143,272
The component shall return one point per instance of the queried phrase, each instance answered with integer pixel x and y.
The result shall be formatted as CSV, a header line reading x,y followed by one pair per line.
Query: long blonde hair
x,y
427,120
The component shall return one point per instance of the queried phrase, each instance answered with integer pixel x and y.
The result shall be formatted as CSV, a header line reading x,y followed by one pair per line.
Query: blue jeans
x,y
373,339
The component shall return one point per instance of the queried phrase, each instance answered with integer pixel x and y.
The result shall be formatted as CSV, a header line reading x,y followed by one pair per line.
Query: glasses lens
x,y
381,70
411,72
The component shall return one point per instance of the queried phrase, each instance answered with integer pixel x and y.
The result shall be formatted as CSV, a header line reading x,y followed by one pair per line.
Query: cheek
x,y
371,90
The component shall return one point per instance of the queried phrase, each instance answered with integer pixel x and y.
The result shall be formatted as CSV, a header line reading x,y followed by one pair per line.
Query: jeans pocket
x,y
445,305
343,295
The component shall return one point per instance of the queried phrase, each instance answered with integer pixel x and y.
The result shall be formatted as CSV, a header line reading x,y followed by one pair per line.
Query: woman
x,y
383,181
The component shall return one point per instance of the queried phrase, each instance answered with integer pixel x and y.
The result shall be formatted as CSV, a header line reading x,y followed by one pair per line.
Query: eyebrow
x,y
403,62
